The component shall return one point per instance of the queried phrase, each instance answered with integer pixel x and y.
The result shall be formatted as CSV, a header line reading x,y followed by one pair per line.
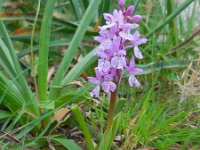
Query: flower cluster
x,y
119,34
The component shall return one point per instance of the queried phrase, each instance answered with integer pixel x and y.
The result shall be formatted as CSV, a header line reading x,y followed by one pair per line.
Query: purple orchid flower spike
x,y
119,33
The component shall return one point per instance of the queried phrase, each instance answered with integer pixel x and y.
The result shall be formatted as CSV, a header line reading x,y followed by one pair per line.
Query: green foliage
x,y
43,50
58,47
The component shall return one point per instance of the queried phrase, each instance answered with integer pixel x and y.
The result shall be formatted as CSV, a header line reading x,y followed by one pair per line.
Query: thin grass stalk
x,y
31,49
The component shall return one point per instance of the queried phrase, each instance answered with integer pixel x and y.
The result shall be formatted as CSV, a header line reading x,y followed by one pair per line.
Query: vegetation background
x,y
46,55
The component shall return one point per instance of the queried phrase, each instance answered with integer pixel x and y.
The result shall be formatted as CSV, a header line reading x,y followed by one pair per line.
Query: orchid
x,y
119,34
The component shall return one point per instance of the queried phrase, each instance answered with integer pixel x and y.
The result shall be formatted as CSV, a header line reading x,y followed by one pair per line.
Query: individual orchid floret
x,y
103,65
119,34
126,29
119,60
108,86
136,42
132,71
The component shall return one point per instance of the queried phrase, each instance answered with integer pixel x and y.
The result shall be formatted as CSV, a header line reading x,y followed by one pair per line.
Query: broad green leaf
x,y
44,49
73,47
76,71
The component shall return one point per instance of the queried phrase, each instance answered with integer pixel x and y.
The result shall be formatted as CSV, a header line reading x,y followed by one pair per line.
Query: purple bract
x,y
119,34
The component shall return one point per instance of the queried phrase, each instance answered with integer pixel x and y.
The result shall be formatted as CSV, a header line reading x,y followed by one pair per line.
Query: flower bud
x,y
130,10
136,19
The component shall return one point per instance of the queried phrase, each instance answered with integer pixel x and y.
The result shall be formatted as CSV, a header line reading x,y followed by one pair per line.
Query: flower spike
x,y
119,33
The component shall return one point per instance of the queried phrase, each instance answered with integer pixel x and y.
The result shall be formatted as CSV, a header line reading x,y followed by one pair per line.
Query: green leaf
x,y
17,71
76,8
104,7
79,117
162,65
76,71
73,47
62,42
44,49
119,106
4,114
69,144
85,4
108,137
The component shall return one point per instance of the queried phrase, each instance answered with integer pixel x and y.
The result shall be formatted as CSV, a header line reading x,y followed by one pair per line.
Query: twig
x,y
185,42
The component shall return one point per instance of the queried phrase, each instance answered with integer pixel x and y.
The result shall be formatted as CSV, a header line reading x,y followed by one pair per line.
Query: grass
x,y
46,55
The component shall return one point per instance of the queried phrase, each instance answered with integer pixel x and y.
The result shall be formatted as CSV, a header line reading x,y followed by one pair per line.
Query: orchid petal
x,y
137,53
133,81
95,91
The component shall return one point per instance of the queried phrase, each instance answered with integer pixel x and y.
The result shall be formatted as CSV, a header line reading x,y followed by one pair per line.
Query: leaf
x,y
17,75
79,118
77,70
108,137
60,114
44,49
69,144
104,7
119,106
76,8
162,65
4,114
73,47
55,43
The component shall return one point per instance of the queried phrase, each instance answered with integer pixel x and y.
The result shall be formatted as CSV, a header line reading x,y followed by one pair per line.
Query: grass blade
x,y
22,83
76,8
25,88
